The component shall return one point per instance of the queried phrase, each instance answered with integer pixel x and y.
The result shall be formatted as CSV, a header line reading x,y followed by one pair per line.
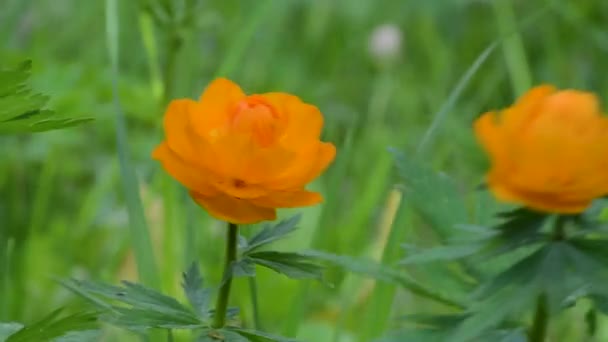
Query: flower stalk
x,y
221,307
539,326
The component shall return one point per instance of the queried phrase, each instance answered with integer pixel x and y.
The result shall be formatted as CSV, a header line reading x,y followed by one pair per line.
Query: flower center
x,y
255,117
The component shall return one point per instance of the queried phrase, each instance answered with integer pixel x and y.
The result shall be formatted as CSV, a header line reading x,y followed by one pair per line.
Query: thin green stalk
x,y
140,237
253,291
146,27
538,331
222,300
237,49
5,279
513,46
381,301
174,44
559,232
41,202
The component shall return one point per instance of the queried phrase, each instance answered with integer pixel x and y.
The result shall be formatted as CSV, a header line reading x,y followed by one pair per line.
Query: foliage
x,y
22,110
61,213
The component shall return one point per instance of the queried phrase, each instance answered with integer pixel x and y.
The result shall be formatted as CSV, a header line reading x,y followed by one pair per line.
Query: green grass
x,y
70,207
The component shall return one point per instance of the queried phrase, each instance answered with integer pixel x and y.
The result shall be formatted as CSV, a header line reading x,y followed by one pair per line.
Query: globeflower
x,y
549,151
243,156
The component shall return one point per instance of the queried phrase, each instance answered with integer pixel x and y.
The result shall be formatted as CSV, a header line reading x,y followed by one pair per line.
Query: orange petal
x,y
309,166
288,199
178,130
535,95
215,105
573,105
304,120
527,107
190,176
551,203
489,134
234,210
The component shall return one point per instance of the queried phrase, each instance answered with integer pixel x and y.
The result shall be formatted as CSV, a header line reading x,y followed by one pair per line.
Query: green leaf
x,y
521,227
550,270
600,303
53,326
442,253
137,307
433,195
80,336
260,336
243,268
293,265
272,233
7,329
198,296
22,111
223,335
383,273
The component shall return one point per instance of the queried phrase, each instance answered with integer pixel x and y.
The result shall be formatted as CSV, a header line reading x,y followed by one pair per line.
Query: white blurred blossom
x,y
385,42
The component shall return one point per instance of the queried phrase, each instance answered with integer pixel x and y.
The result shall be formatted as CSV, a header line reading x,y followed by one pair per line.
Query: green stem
x,y
513,46
539,326
559,231
222,299
253,289
174,44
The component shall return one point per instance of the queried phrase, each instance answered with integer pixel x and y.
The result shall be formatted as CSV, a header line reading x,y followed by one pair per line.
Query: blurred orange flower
x,y
549,151
242,156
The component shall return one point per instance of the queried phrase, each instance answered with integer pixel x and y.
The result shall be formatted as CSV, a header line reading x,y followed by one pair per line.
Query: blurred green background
x,y
380,71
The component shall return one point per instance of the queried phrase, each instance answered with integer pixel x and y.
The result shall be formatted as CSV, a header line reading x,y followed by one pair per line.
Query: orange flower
x,y
242,156
549,151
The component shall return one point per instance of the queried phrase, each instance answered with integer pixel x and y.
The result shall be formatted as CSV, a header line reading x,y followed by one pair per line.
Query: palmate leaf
x,y
442,253
383,273
271,233
221,336
259,336
198,296
54,326
22,110
439,328
558,270
293,265
243,268
80,336
135,306
239,335
434,196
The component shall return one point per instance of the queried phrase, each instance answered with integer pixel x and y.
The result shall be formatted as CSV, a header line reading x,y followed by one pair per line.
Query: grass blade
x,y
140,237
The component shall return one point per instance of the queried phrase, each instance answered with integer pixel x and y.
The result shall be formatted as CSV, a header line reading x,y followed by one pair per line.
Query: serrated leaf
x,y
433,195
21,110
548,271
54,325
138,319
293,265
442,253
7,329
442,322
243,268
222,335
80,336
383,273
520,228
272,233
138,307
259,336
198,296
